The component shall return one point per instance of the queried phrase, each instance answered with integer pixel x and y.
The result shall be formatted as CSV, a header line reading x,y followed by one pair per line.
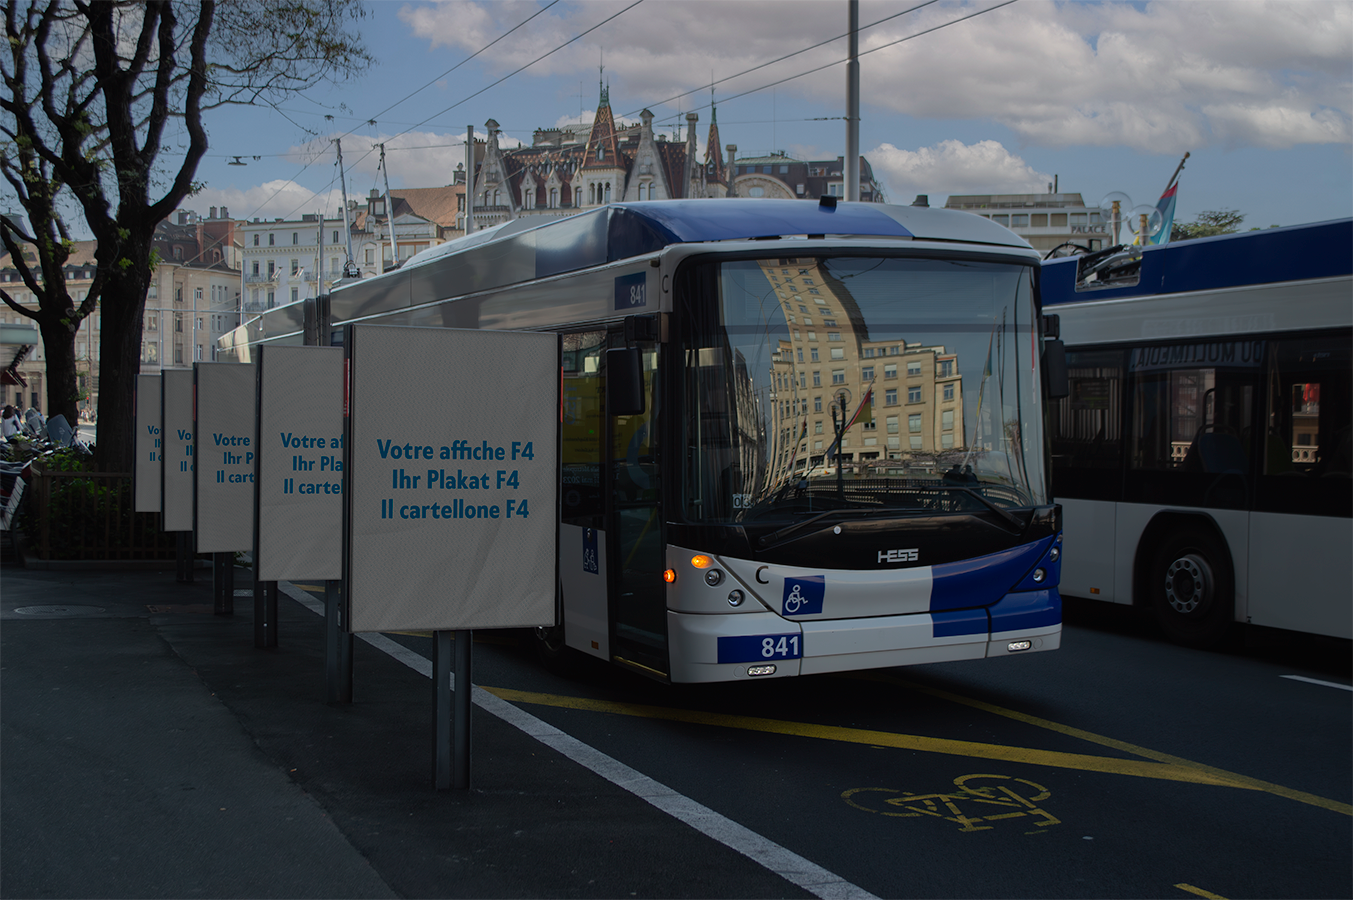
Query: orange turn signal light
x,y
701,561
669,576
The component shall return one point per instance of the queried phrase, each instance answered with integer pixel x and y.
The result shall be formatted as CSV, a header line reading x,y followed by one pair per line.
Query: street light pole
x,y
852,160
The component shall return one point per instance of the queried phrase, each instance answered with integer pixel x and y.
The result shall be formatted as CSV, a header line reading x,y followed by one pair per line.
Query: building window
x,y
948,392
891,422
946,368
817,428
255,240
914,422
913,395
295,239
867,373
817,401
335,240
868,352
890,370
817,379
370,256
271,239
1039,220
756,192
295,266
272,268
947,420
152,322
913,369
838,352
178,322
833,335
295,294
272,299
838,376
836,190
813,352
915,442
947,441
890,397
800,354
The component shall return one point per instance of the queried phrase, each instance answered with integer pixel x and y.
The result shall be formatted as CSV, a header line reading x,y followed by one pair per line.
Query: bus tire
x,y
1192,588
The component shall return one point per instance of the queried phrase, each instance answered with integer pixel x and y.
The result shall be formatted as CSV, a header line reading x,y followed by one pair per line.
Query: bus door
x,y
635,551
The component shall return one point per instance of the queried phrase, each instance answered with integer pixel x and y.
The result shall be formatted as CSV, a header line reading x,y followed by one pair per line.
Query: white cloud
x,y
1160,77
280,199
952,167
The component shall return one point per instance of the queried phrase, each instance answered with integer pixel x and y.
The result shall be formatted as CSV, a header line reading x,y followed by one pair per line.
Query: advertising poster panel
x,y
176,448
452,462
146,473
299,485
224,456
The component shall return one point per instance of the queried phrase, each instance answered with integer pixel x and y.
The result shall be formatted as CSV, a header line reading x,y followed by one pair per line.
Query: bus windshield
x,y
888,386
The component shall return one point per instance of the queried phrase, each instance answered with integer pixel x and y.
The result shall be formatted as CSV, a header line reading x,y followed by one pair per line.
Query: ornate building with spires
x,y
566,170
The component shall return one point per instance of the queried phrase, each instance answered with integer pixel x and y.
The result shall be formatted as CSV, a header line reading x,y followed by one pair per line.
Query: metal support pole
x,y
265,614
469,179
183,556
441,711
223,583
852,160
464,687
337,647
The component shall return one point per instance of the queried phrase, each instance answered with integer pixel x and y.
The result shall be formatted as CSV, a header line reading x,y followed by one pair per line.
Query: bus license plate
x,y
758,647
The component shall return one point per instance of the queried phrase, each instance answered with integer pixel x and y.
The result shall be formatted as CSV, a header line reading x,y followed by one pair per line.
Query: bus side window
x,y
1087,425
1308,409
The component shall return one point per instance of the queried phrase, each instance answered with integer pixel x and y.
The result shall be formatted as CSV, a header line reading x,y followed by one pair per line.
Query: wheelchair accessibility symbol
x,y
978,800
804,594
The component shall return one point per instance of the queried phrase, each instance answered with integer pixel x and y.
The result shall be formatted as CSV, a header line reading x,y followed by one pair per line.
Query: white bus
x,y
1203,457
797,437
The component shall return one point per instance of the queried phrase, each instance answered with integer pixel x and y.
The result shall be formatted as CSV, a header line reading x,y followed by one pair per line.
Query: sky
x,y
1101,97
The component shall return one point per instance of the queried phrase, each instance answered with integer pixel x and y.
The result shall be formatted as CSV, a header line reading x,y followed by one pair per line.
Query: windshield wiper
x,y
999,510
776,536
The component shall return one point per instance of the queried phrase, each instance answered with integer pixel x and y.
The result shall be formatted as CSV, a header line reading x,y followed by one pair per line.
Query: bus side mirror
x,y
1054,369
624,382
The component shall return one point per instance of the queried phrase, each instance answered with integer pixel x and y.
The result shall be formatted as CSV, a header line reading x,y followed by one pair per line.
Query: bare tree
x,y
93,92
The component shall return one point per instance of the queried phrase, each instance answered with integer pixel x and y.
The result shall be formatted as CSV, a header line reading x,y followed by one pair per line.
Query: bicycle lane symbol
x,y
1007,798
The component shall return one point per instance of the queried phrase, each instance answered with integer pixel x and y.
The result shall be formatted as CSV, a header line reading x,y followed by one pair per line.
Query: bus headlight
x,y
714,577
735,598
1055,554
1040,575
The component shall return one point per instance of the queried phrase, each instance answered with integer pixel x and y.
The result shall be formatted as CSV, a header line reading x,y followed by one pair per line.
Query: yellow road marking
x,y
1232,778
1001,752
1199,891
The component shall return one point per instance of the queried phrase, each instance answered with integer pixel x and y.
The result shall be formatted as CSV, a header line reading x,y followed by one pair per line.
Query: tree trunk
x,y
122,306
58,346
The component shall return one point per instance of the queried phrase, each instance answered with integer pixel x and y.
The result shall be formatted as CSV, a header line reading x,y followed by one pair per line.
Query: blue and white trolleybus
x,y
797,437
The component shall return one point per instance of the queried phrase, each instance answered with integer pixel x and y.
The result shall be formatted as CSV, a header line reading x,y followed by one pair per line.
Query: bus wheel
x,y
1192,589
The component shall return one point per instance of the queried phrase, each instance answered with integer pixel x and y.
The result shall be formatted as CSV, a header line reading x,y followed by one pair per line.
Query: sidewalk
x,y
159,754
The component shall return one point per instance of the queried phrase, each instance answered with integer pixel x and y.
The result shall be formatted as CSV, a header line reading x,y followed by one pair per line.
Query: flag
x,y
1166,206
866,411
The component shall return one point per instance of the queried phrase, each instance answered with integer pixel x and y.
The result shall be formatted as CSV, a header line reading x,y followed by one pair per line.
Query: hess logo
x,y
897,556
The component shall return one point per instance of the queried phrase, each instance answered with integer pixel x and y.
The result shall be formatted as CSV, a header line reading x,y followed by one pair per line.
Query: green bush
x,y
91,518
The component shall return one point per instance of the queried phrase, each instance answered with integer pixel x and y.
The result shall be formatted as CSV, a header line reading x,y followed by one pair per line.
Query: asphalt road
x,y
1119,766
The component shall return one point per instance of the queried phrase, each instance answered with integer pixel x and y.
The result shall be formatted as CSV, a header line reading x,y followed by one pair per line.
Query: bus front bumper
x,y
715,647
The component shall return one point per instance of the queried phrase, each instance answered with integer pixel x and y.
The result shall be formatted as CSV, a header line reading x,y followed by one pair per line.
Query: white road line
x,y
761,850
1333,684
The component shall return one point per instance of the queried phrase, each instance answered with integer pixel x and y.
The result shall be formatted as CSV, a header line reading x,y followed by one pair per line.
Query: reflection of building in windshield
x,y
904,399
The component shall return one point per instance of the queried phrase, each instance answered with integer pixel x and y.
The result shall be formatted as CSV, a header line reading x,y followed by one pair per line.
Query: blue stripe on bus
x,y
958,622
1026,609
1294,253
983,580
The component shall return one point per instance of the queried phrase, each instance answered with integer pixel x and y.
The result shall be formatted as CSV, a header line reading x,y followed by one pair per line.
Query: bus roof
x,y
623,230
1292,253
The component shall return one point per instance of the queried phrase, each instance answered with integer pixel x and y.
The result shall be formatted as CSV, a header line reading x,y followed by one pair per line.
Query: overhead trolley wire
x,y
782,58
873,50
